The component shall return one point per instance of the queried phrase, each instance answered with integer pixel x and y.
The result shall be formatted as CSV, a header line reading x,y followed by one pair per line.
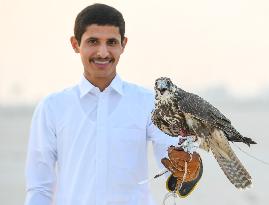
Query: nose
x,y
102,51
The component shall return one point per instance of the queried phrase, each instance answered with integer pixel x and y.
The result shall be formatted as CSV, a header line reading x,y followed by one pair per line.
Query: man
x,y
88,143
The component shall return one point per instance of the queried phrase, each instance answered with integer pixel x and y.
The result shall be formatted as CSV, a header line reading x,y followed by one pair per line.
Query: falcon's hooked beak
x,y
161,86
162,90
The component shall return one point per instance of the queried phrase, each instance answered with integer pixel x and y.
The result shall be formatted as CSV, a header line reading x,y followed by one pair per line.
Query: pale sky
x,y
198,43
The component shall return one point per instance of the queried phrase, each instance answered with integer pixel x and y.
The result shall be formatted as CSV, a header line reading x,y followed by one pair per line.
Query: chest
x,y
119,125
168,111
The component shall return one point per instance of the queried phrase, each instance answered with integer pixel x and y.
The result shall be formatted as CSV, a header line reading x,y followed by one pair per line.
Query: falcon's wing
x,y
203,110
168,115
207,113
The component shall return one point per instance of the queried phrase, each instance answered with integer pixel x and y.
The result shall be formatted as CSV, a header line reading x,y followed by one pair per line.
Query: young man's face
x,y
100,51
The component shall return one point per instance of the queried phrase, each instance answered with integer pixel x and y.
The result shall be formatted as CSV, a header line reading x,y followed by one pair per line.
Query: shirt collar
x,y
117,84
85,86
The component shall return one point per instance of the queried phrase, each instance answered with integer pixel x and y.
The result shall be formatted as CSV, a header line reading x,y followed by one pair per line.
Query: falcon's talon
x,y
189,145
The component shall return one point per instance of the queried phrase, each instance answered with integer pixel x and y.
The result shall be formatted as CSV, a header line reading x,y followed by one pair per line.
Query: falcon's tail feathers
x,y
228,161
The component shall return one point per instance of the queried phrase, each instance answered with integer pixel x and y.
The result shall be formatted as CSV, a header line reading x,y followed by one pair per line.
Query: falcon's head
x,y
164,89
163,85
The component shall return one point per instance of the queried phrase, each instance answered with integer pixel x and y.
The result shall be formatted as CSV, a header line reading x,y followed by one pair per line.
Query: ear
x,y
124,42
74,44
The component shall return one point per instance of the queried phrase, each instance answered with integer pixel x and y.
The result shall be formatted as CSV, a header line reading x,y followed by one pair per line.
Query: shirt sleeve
x,y
41,158
160,142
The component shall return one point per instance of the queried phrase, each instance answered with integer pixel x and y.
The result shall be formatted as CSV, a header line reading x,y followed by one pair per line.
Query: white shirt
x,y
88,147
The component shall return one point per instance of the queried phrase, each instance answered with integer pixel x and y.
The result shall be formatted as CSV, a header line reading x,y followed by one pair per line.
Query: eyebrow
x,y
91,38
95,38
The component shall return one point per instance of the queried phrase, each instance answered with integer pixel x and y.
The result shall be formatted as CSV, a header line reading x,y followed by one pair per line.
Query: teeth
x,y
101,62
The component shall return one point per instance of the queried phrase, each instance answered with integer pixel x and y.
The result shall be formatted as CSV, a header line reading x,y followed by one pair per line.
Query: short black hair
x,y
100,14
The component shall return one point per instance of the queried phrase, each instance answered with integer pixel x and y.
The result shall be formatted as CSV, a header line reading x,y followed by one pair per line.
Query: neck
x,y
101,83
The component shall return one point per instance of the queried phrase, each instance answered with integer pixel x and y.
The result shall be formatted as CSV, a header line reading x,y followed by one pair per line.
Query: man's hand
x,y
179,161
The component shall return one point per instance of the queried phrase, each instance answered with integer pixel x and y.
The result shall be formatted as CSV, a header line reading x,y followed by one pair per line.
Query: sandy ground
x,y
250,119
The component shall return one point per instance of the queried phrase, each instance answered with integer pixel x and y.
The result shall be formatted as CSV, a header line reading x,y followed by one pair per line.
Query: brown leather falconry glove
x,y
177,161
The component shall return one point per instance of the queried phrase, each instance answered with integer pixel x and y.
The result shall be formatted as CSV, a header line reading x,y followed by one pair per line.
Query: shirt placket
x,y
101,149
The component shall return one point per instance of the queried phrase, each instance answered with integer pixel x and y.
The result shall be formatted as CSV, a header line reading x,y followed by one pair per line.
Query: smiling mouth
x,y
101,61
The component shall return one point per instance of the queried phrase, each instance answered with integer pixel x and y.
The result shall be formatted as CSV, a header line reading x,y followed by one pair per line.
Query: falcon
x,y
180,113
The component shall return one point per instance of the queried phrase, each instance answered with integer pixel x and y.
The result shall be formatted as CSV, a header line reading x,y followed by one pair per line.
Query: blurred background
x,y
217,49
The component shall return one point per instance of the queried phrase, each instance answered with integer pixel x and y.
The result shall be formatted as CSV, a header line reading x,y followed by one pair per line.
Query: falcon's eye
x,y
168,84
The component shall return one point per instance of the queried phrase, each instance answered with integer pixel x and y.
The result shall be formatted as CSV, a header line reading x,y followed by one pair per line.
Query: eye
x,y
168,84
112,42
92,41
